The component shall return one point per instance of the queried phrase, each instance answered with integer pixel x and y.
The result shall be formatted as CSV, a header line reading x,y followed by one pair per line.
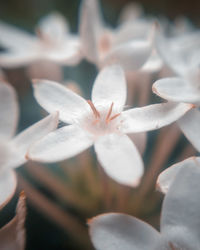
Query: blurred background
x,y
61,197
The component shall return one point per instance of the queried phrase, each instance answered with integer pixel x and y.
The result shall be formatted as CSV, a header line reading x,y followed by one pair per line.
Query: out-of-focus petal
x,y
8,110
181,209
110,86
120,158
166,178
152,116
177,90
90,26
189,124
114,231
26,138
53,96
8,183
153,64
178,52
131,55
12,235
67,53
14,38
53,27
131,12
61,144
19,58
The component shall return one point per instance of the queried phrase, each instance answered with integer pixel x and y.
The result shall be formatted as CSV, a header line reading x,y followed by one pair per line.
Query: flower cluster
x,y
138,47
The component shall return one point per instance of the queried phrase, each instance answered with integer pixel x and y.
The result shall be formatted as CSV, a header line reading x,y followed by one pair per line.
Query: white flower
x,y
180,52
130,45
53,42
101,122
13,149
180,225
184,89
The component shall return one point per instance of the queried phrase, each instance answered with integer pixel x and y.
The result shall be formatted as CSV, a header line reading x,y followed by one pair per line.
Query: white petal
x,y
189,124
67,53
26,138
12,235
166,178
131,12
19,58
8,183
61,144
14,38
110,86
181,209
130,55
114,231
177,52
152,117
177,90
153,64
53,27
53,96
90,26
120,159
8,110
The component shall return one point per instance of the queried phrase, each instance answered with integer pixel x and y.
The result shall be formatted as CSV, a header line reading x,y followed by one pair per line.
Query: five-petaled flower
x,y
52,43
102,122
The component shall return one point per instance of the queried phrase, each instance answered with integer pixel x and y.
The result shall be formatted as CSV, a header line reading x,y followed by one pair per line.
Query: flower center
x,y
105,43
102,120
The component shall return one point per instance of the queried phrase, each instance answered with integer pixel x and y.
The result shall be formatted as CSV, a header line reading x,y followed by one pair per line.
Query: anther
x,y
94,110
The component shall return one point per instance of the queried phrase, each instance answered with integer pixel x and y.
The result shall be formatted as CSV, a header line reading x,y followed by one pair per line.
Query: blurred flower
x,y
101,122
13,149
181,51
53,42
130,45
180,228
12,235
184,89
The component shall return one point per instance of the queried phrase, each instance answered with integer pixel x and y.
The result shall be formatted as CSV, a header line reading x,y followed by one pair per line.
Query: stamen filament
x,y
114,116
95,111
109,113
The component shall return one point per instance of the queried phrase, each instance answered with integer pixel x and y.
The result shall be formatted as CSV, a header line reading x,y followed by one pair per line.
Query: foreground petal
x,y
61,144
12,235
152,116
53,96
23,141
177,90
120,158
131,55
8,183
110,86
189,125
8,110
166,178
181,209
114,231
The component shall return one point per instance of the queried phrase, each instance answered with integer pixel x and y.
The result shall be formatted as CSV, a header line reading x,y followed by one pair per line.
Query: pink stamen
x,y
114,116
109,113
94,110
